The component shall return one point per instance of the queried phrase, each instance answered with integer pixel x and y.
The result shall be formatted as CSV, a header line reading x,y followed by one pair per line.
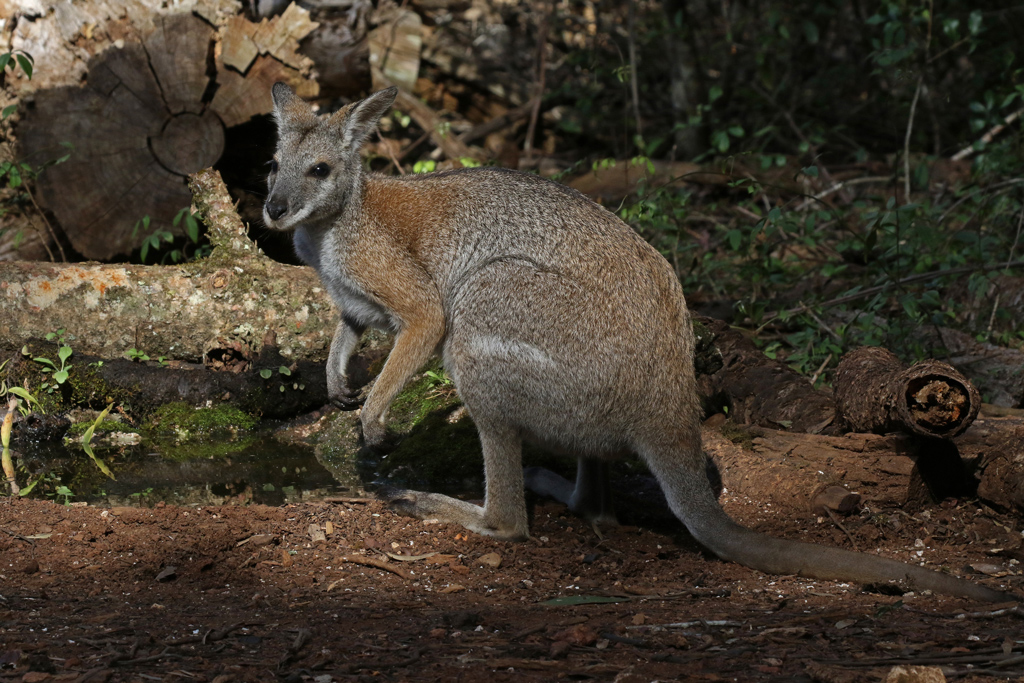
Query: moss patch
x,y
186,422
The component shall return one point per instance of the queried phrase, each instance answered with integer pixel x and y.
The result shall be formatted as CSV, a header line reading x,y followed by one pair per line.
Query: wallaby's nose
x,y
275,210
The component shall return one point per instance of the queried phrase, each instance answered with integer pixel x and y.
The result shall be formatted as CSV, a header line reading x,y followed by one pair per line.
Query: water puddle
x,y
255,470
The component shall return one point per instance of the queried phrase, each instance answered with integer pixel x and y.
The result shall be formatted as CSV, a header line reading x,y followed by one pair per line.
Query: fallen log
x,y
224,304
760,390
876,392
808,472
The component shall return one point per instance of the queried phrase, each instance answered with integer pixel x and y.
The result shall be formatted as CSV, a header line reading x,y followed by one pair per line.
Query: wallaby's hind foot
x,y
441,508
590,497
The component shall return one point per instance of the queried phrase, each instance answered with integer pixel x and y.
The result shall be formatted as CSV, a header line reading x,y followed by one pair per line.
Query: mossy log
x,y
876,392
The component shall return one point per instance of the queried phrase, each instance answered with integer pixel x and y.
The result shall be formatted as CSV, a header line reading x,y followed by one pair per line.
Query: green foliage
x,y
133,354
190,249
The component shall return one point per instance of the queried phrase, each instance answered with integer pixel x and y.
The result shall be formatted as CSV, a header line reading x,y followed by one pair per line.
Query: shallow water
x,y
259,470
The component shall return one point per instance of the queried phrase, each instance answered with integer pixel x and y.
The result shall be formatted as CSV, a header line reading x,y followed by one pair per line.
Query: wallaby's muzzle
x,y
275,209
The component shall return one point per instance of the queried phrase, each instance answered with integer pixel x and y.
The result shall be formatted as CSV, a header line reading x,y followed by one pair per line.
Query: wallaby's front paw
x,y
346,399
377,437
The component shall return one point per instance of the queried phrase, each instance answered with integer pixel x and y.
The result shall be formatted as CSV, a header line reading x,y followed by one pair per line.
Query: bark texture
x,y
876,392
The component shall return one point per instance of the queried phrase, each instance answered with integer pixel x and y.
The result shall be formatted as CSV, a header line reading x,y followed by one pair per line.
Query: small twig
x,y
869,291
821,323
499,122
835,520
989,136
821,369
906,140
542,43
63,256
391,153
346,499
634,88
840,186
379,564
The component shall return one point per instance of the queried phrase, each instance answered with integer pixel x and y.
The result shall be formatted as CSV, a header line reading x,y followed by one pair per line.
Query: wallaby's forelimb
x,y
414,345
339,386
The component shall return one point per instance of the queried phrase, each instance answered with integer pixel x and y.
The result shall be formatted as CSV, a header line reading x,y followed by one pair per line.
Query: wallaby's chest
x,y
328,258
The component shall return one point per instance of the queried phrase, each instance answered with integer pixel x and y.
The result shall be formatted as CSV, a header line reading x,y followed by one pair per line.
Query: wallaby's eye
x,y
273,165
320,170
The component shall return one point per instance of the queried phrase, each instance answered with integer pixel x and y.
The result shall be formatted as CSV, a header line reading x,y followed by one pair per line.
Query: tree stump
x,y
149,115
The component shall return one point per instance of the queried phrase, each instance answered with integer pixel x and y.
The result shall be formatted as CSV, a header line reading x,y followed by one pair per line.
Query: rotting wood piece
x,y
1002,471
876,392
760,390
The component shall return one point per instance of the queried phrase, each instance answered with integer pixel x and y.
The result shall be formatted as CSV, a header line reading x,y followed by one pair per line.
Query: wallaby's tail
x,y
715,530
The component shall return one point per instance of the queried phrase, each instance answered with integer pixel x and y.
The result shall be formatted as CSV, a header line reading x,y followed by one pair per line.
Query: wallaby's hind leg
x,y
590,497
504,513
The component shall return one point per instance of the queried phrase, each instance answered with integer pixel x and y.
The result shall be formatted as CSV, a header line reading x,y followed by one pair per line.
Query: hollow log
x,y
876,392
760,390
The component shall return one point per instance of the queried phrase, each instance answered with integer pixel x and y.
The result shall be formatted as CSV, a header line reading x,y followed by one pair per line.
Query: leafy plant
x,y
159,238
59,369
133,354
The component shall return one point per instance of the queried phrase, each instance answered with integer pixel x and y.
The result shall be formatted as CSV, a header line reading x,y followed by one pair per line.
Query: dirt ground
x,y
254,593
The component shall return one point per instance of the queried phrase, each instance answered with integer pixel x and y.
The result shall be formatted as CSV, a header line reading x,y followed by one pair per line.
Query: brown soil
x,y
88,594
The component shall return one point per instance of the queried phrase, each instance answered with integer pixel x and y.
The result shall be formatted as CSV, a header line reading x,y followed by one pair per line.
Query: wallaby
x,y
556,321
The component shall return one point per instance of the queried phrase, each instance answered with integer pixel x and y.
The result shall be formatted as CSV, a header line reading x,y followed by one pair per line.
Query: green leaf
x,y
811,32
284,370
61,376
45,361
810,171
7,111
265,373
64,353
5,59
25,61
24,394
192,227
582,600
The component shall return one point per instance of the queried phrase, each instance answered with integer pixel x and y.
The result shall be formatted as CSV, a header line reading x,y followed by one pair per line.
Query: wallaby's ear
x,y
289,109
357,120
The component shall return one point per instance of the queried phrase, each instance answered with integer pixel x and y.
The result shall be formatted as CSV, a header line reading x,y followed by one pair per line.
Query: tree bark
x,y
875,392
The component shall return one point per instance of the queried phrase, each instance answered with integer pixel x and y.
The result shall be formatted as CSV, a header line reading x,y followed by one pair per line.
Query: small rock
x,y
167,574
492,560
639,618
559,649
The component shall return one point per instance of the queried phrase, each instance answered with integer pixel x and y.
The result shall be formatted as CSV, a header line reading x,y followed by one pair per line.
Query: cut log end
x,y
876,393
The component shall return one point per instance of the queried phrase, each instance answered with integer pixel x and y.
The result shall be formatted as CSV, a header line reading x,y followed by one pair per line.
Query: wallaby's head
x,y
317,167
